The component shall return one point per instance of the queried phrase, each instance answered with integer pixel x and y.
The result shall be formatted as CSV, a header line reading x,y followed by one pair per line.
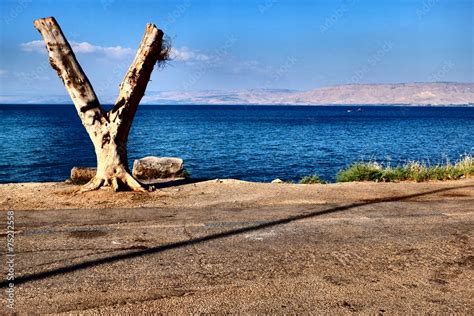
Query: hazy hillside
x,y
405,93
264,96
409,93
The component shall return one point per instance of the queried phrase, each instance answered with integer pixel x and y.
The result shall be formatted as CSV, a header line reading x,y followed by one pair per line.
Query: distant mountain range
x,y
401,94
440,93
405,93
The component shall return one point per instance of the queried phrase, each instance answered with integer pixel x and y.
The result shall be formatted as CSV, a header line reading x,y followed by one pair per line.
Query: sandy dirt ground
x,y
228,246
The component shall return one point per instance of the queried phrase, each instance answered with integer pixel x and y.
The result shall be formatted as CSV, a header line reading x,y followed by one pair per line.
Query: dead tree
x,y
107,130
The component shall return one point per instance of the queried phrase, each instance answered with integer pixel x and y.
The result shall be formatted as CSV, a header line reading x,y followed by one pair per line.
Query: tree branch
x,y
63,60
134,84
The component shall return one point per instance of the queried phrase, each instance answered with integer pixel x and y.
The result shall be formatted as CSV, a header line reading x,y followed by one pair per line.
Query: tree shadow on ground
x,y
229,233
173,183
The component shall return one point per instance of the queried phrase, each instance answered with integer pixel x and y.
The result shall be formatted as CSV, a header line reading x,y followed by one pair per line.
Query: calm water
x,y
258,143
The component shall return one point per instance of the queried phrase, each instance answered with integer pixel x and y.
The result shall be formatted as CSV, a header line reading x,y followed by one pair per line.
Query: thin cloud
x,y
3,72
183,54
33,46
116,52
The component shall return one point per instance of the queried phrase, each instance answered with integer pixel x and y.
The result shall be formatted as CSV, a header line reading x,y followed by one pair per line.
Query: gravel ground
x,y
227,246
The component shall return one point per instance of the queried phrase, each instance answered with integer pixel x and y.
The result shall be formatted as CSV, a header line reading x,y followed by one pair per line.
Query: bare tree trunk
x,y
107,130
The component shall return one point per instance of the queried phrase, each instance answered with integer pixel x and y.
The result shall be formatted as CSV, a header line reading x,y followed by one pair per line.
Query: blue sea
x,y
257,143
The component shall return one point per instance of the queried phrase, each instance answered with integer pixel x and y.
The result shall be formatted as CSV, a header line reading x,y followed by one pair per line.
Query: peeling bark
x,y
108,130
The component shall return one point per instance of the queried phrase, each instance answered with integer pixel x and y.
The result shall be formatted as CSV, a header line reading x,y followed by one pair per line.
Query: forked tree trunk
x,y
107,130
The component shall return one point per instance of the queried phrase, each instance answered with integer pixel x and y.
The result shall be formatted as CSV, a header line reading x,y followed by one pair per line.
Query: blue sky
x,y
244,44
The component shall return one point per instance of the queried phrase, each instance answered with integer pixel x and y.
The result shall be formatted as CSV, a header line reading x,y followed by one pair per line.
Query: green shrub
x,y
312,179
361,172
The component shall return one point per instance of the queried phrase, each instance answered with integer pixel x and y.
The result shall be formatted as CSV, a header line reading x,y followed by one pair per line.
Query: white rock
x,y
151,168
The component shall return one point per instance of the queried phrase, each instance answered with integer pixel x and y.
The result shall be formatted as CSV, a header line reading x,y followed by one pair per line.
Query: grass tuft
x,y
185,174
412,171
312,179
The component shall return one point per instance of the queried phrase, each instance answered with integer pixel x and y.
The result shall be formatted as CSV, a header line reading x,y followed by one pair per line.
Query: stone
x,y
278,181
81,175
153,168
